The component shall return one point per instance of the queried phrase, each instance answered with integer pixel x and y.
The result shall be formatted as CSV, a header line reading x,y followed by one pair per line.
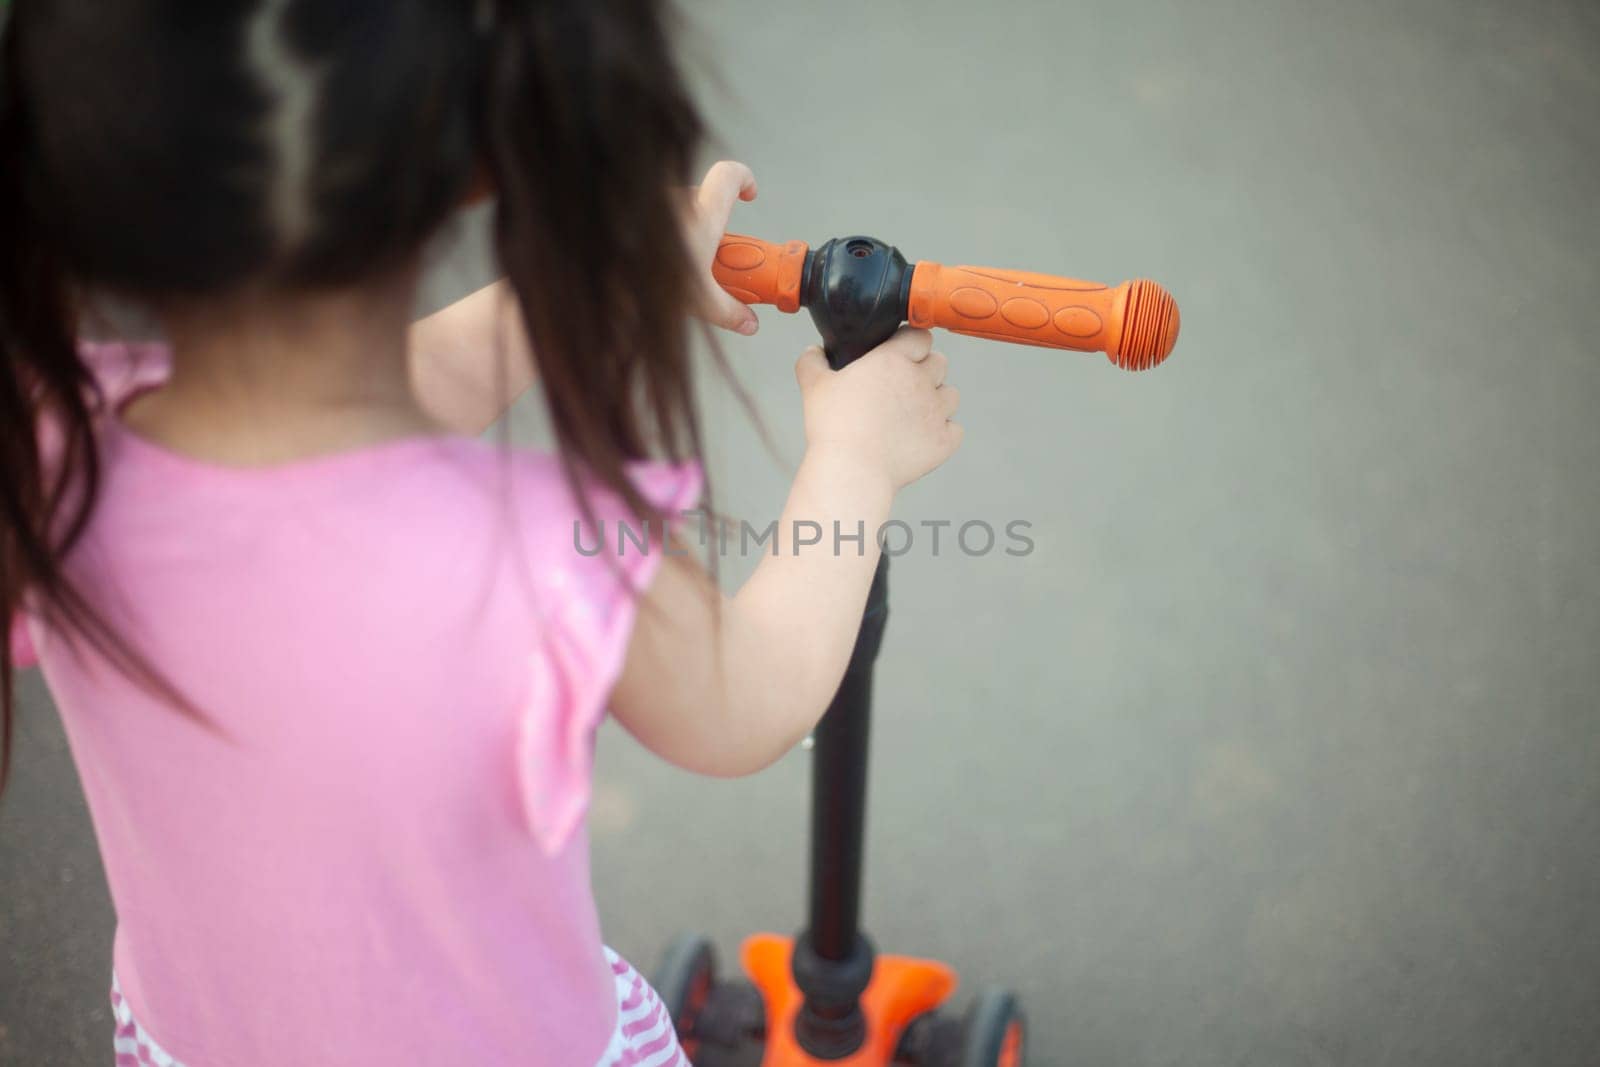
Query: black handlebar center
x,y
857,290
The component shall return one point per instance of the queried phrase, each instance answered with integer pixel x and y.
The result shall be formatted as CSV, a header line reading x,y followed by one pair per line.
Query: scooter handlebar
x,y
1135,324
760,272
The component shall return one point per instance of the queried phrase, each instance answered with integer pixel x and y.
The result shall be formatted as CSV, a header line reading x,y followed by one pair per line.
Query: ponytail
x,y
40,374
589,133
49,466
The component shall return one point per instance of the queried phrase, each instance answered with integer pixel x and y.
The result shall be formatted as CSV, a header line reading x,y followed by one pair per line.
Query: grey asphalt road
x,y
1283,745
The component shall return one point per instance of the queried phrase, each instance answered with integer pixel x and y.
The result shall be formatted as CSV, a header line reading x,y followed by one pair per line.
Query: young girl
x,y
331,667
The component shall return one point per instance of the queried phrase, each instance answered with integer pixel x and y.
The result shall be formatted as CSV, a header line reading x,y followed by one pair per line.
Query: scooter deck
x,y
902,988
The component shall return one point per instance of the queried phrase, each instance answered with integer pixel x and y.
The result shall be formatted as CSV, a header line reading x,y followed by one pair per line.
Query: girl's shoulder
x,y
422,487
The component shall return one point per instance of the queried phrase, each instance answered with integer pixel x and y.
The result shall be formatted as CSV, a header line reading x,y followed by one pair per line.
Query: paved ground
x,y
1281,748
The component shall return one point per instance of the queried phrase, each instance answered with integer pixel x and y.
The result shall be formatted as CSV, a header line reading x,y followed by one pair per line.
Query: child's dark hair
x,y
171,151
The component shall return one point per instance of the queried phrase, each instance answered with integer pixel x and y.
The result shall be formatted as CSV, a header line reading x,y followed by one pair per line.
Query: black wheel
x,y
931,1040
719,1023
684,980
994,1033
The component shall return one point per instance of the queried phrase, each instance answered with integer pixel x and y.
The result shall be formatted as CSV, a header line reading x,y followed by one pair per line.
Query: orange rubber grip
x,y
760,272
1136,324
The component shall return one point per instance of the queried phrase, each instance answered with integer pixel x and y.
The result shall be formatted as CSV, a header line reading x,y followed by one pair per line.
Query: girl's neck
x,y
270,380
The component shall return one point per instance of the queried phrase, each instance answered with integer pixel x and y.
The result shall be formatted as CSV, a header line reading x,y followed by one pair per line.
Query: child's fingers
x,y
734,176
727,311
725,184
910,342
953,436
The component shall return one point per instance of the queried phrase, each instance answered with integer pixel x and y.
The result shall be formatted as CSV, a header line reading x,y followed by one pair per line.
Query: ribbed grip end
x,y
1149,327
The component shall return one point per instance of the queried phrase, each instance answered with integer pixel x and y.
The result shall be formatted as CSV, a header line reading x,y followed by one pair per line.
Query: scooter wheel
x,y
931,1040
994,1032
719,1023
684,981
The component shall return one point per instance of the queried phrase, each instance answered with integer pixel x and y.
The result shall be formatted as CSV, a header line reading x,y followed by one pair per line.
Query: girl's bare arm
x,y
471,360
725,685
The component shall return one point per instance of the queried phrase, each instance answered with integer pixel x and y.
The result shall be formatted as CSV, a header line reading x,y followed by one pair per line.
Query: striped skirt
x,y
644,1036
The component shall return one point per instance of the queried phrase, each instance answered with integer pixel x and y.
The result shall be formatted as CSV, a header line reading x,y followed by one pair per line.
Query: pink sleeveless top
x,y
373,850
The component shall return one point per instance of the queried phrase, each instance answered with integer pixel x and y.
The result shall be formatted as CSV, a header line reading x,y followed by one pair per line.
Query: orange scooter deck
x,y
902,988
